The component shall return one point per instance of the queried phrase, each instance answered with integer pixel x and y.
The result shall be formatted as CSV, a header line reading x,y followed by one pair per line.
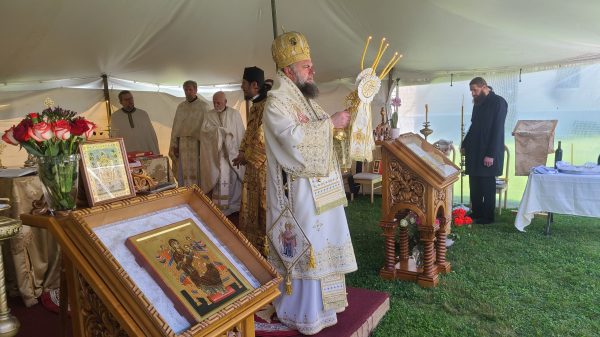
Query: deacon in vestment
x,y
184,149
252,155
133,125
304,176
221,134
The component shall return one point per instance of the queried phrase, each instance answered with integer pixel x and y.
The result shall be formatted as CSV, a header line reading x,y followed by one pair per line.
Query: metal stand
x,y
549,221
426,131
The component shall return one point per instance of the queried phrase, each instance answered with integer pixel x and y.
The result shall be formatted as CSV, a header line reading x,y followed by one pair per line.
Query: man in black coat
x,y
483,147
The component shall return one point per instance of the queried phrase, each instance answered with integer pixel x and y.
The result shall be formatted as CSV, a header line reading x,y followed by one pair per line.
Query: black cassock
x,y
485,138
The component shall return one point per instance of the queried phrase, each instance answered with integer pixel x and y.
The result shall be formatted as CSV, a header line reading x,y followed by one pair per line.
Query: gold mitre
x,y
289,48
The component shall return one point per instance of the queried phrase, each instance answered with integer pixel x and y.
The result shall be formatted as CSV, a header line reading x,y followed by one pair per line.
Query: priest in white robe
x,y
134,126
220,137
184,149
303,176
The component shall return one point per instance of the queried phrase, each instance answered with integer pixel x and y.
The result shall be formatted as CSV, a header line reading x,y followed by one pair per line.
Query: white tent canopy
x,y
166,42
59,49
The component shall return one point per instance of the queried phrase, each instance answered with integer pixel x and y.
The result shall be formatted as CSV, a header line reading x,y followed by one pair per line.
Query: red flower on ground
x,y
459,212
458,222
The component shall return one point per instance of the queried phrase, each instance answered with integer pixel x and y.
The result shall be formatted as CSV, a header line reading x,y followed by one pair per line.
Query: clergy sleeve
x,y
254,151
302,149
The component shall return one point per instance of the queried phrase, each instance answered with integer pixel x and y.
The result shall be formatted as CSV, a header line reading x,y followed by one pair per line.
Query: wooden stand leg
x,y
389,230
443,266
403,243
428,278
248,326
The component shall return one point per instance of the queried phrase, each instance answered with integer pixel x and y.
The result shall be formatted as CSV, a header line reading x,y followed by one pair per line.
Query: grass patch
x,y
503,282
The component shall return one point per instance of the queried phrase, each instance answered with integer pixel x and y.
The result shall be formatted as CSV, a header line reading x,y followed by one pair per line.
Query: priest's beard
x,y
479,98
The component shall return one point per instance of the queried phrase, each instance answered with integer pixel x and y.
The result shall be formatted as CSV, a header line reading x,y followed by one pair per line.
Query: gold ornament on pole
x,y
48,102
356,141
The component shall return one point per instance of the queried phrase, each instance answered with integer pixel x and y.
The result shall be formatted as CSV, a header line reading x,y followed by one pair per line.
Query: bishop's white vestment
x,y
303,175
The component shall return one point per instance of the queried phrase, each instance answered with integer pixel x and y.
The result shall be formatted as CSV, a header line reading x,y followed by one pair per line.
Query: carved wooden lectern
x,y
416,177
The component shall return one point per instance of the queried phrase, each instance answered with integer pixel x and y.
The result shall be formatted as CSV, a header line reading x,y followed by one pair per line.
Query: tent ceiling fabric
x,y
167,42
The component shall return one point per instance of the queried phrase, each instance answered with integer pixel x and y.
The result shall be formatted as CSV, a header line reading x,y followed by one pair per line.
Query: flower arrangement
x,y
460,217
396,102
53,132
53,137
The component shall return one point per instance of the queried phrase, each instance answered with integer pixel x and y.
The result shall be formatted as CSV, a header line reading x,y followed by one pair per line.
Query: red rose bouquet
x,y
460,217
54,137
53,132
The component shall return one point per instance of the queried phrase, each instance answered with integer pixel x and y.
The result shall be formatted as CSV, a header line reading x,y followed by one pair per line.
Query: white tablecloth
x,y
559,193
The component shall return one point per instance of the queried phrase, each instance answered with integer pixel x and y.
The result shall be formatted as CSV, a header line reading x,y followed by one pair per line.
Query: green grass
x,y
503,282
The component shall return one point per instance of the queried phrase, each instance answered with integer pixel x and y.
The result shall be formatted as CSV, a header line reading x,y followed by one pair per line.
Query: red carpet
x,y
365,310
35,321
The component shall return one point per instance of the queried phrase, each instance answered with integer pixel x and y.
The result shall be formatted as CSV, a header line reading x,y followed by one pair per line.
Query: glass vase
x,y
59,175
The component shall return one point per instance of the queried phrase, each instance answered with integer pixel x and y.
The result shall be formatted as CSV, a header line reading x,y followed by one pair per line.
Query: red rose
x,y
458,222
459,212
9,136
20,132
91,129
467,220
62,129
33,115
41,131
79,126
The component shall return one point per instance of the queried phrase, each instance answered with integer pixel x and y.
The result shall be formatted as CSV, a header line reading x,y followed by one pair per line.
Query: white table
x,y
559,193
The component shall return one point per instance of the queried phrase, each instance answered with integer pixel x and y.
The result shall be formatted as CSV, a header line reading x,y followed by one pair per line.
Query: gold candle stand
x,y
9,324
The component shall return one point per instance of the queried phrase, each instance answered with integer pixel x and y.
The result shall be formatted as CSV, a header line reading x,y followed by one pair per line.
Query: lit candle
x,y
379,58
378,52
426,112
362,60
386,69
384,74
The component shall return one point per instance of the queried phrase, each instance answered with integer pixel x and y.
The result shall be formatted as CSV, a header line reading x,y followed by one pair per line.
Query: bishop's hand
x,y
340,119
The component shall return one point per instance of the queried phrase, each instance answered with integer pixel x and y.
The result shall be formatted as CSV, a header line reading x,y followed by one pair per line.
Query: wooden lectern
x,y
106,285
416,177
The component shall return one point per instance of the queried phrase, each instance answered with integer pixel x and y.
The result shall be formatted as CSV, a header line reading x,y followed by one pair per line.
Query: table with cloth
x,y
32,258
561,193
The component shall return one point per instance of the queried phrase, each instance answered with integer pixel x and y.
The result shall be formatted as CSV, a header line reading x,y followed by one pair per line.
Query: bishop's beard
x,y
309,90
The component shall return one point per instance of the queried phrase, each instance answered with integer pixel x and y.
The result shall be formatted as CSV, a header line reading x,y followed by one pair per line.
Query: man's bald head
x,y
219,101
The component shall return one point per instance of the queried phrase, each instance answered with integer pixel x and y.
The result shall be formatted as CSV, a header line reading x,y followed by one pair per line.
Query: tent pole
x,y
387,99
274,18
106,99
